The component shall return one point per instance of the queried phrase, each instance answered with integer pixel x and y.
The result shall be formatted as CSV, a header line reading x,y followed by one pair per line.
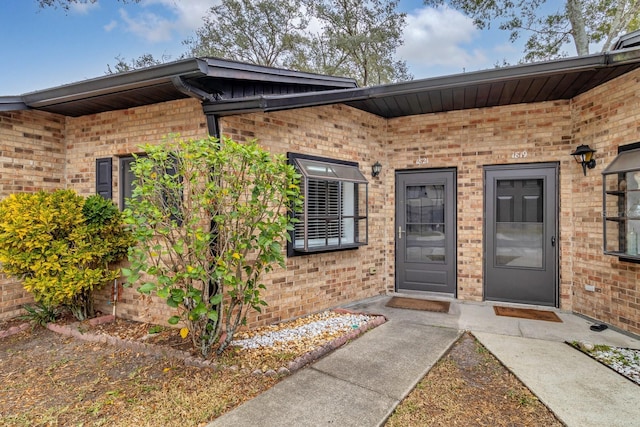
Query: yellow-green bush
x,y
60,245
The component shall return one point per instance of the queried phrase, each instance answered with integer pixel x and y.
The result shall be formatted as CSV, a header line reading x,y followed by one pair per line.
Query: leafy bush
x,y
40,314
60,245
209,217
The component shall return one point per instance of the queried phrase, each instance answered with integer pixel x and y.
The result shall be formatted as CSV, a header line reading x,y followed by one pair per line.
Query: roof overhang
x,y
229,87
544,81
12,103
203,78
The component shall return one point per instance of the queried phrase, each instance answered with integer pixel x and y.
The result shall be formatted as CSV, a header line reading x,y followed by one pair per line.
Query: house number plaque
x,y
422,161
519,154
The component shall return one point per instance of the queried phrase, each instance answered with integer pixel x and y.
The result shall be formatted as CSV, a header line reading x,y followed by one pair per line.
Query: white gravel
x,y
327,322
623,360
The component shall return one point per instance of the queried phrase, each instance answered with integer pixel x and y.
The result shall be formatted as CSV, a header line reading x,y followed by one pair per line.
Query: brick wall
x,y
120,133
316,282
34,147
604,118
309,283
32,155
116,134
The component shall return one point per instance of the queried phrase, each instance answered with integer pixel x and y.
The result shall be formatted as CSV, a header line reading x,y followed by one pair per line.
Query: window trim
x,y
356,179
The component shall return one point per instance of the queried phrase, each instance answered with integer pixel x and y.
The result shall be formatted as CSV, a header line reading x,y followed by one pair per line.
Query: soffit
x,y
228,87
546,81
204,78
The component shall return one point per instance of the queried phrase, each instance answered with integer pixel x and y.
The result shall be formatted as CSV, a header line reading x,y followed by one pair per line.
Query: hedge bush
x,y
60,245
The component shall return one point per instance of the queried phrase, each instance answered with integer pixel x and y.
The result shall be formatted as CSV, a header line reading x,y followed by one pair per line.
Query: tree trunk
x,y
626,12
578,27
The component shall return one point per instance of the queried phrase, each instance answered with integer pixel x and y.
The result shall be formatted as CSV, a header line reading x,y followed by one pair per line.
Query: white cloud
x,y
83,8
188,14
148,26
162,19
440,38
110,26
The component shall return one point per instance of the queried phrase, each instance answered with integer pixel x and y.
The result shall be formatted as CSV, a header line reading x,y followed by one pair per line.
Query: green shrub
x,y
209,217
60,246
40,314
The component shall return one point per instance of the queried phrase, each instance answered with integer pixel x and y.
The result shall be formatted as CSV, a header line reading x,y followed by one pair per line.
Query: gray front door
x,y
521,255
425,231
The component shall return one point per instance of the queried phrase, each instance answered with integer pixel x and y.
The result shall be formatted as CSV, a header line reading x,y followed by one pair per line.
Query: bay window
x,y
335,205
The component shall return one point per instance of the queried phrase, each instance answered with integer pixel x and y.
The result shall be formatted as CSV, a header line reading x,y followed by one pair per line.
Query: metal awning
x,y
316,169
626,161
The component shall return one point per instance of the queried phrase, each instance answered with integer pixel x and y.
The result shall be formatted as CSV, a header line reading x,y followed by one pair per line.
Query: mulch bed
x,y
135,336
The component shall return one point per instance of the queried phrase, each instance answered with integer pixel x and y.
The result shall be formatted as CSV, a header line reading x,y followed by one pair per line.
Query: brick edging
x,y
190,360
14,330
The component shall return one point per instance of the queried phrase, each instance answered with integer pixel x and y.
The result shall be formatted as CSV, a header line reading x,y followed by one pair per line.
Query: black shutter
x,y
104,178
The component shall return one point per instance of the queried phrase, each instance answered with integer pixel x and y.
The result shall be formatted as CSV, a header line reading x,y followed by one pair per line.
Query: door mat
x,y
527,313
419,304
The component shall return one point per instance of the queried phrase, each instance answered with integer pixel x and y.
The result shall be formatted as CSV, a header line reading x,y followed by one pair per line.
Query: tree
x,y
264,32
582,22
66,4
367,35
209,217
355,39
146,60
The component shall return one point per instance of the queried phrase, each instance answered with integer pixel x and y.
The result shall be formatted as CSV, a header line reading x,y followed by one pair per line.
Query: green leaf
x,y
177,295
133,278
199,310
179,247
173,320
216,299
163,292
147,288
213,316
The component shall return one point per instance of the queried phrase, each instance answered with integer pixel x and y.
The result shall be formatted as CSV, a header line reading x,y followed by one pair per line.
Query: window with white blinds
x,y
334,214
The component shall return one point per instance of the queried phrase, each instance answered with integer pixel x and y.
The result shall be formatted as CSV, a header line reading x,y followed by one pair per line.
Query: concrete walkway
x,y
361,383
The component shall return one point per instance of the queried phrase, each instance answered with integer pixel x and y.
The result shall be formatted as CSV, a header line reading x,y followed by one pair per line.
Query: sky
x,y
44,48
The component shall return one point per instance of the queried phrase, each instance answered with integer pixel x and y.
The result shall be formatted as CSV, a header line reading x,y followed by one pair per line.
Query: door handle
x,y
553,240
399,232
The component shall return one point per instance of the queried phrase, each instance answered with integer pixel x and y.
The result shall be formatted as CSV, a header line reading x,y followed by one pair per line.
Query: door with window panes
x,y
425,232
521,253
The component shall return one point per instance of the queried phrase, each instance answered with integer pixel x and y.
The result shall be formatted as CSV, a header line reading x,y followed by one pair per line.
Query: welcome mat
x,y
527,313
419,304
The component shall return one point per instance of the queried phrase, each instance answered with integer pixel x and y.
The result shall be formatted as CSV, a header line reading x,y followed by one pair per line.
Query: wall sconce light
x,y
584,156
376,169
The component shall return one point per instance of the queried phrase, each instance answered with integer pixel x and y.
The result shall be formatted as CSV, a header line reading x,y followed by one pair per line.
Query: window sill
x,y
299,252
